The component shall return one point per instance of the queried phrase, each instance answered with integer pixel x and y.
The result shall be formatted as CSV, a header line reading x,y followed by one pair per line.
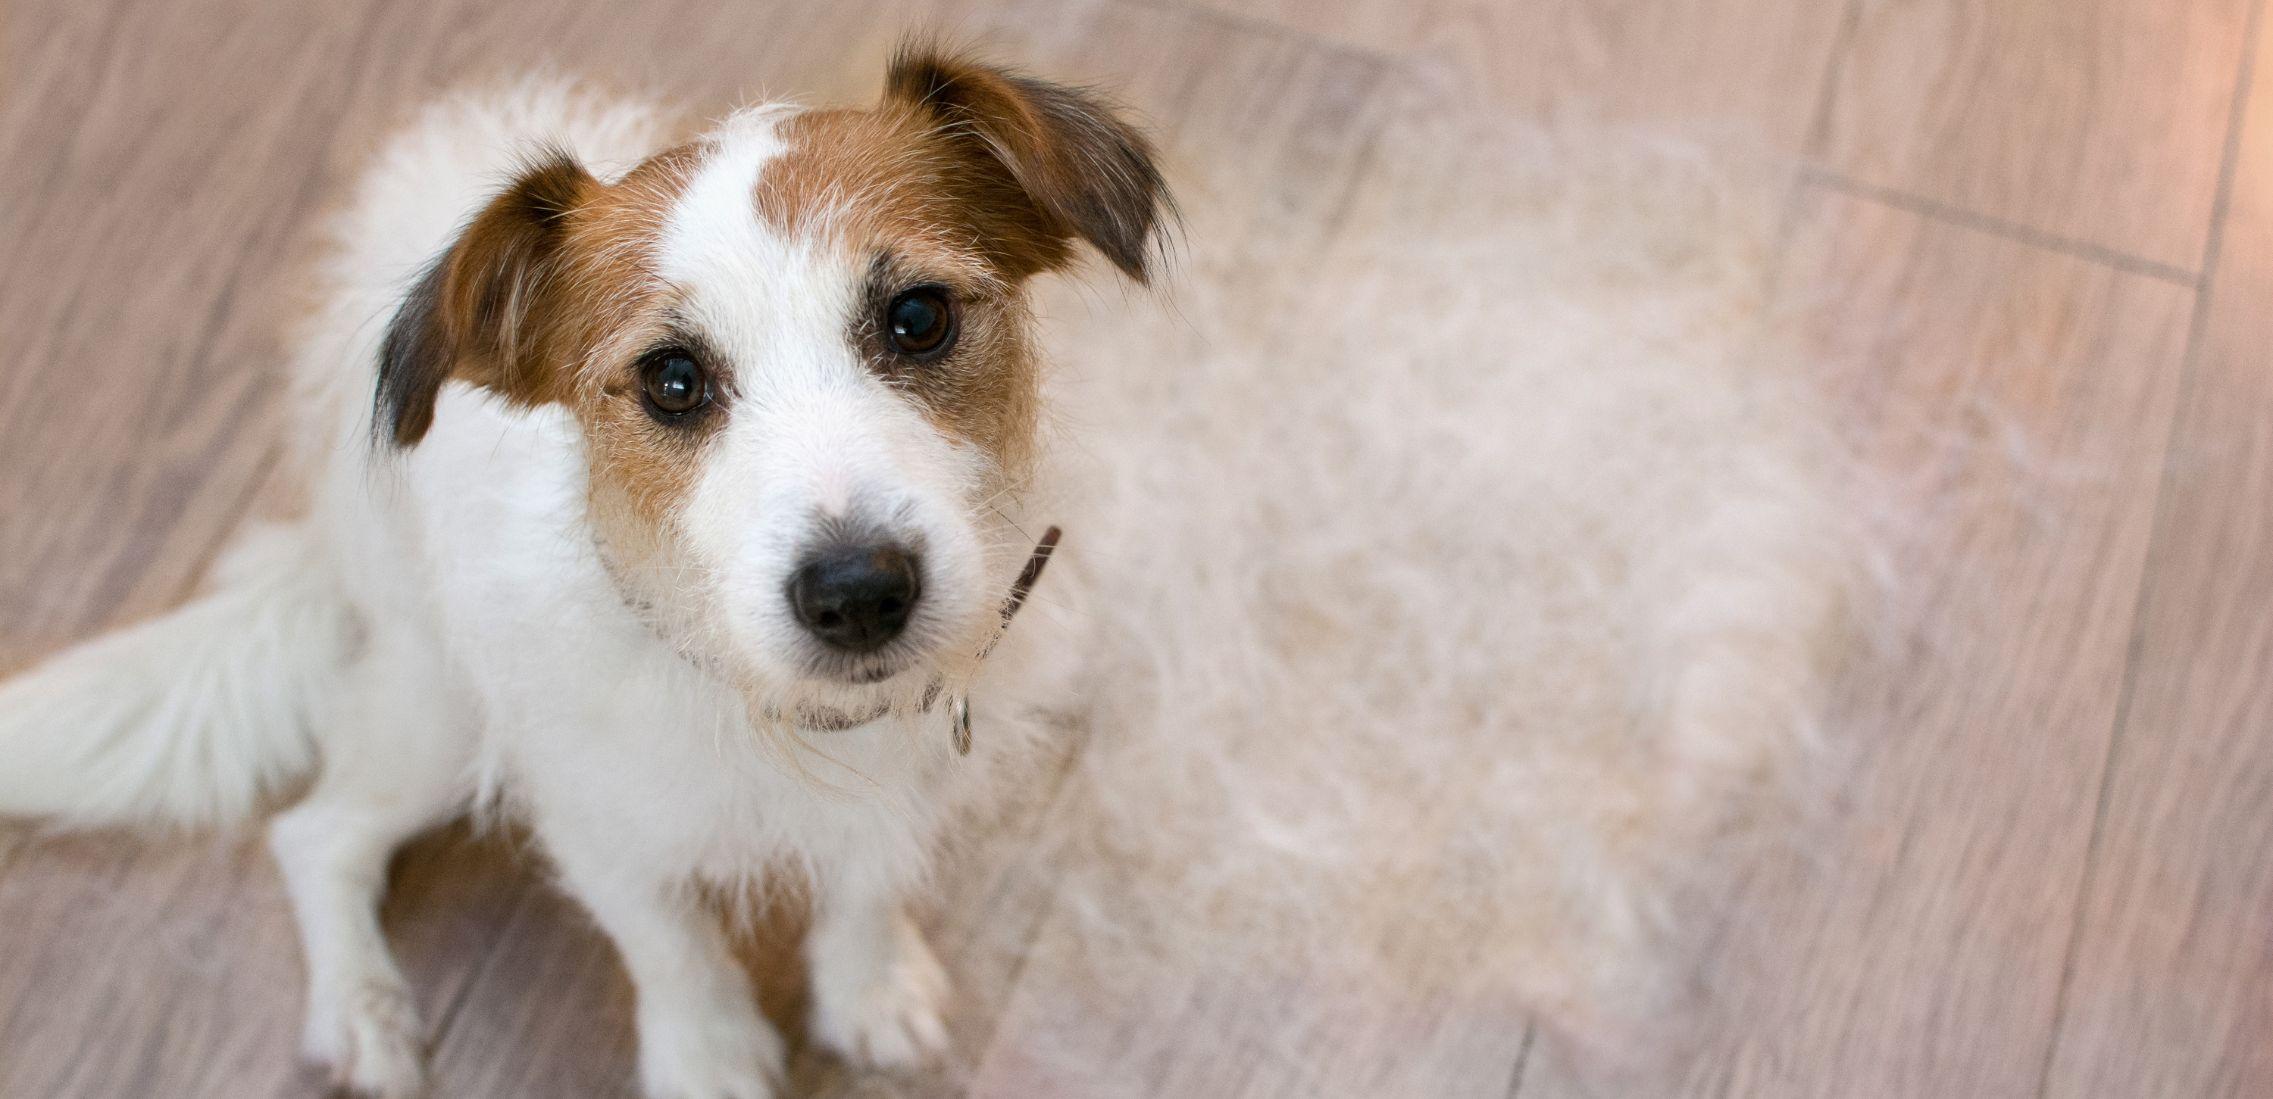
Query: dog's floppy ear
x,y
480,312
1086,172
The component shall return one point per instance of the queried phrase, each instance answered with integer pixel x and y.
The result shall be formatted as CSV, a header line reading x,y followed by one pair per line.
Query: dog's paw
x,y
892,1020
371,1044
726,1055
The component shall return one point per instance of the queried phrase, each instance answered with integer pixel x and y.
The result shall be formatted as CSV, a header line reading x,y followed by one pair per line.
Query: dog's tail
x,y
188,719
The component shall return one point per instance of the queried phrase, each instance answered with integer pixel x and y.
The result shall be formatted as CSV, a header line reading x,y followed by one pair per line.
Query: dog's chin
x,y
799,680
825,673
827,691
871,675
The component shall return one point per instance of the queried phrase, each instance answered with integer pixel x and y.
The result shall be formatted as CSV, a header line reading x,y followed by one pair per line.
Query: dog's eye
x,y
674,383
920,323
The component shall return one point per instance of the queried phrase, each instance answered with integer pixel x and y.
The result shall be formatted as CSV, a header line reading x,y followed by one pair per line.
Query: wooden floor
x,y
2053,876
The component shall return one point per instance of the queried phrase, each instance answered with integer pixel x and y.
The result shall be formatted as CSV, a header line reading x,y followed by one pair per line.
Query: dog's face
x,y
800,350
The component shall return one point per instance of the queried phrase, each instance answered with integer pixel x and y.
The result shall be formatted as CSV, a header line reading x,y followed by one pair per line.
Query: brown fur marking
x,y
965,176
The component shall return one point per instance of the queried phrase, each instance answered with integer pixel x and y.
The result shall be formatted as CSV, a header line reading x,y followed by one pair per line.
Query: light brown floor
x,y
2054,875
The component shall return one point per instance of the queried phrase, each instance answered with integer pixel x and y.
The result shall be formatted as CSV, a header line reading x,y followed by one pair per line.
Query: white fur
x,y
814,437
447,615
1468,579
158,725
1471,580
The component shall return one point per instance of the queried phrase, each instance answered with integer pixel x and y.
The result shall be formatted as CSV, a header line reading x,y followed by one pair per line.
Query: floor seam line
x,y
2000,227
2142,600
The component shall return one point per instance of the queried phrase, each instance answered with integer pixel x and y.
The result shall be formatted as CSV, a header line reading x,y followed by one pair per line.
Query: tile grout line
x,y
2197,327
2010,230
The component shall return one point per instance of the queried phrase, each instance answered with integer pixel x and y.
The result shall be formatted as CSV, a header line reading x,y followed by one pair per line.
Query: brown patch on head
x,y
974,179
1084,171
640,467
963,177
1001,163
483,312
549,296
548,270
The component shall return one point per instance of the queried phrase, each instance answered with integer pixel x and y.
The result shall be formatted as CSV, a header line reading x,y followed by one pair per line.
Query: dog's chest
x,y
592,721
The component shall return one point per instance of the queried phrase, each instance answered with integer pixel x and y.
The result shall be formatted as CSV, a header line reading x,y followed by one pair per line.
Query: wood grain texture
x,y
145,213
1919,952
1385,27
147,951
157,161
173,968
2099,120
2172,986
1072,1030
1751,69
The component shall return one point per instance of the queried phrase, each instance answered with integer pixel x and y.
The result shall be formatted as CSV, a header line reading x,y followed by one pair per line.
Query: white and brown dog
x,y
692,495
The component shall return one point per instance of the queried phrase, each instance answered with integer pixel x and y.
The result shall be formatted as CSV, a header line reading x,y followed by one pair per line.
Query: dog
x,y
667,494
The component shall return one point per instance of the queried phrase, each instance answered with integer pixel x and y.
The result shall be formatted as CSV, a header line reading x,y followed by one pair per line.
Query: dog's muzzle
x,y
830,720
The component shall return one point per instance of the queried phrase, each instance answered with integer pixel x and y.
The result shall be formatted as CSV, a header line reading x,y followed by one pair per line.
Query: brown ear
x,y
477,314
1087,173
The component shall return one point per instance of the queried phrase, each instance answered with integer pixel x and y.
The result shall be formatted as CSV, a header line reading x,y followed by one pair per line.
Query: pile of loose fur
x,y
1470,568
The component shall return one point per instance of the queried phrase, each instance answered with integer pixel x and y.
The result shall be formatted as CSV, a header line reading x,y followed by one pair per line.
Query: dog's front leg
x,y
700,1034
395,761
877,989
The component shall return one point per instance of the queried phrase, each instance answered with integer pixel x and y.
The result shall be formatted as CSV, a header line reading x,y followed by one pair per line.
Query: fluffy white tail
x,y
188,719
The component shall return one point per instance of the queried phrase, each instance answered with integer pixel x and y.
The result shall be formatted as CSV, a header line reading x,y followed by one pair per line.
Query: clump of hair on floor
x,y
1470,582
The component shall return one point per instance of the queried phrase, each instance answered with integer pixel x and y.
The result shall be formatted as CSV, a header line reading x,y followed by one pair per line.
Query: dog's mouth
x,y
867,675
835,671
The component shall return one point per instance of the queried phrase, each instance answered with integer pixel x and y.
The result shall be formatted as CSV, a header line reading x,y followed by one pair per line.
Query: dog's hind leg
x,y
395,762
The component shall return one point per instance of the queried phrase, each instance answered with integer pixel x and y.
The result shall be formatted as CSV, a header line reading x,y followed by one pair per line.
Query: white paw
x,y
726,1054
892,1019
370,1042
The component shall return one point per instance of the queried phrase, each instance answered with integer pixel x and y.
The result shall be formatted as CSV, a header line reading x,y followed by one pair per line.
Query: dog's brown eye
x,y
674,383
920,323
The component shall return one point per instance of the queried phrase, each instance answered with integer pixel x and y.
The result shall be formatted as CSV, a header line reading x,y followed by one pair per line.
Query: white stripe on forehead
x,y
754,291
714,225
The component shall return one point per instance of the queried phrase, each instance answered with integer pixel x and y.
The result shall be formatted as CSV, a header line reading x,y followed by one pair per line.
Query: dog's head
x,y
801,354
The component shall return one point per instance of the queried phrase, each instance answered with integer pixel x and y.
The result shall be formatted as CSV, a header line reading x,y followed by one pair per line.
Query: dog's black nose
x,y
856,598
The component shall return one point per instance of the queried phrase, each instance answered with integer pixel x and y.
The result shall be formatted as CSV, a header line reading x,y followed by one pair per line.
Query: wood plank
x,y
2021,398
162,160
1072,1030
2097,120
139,293
1385,27
2172,987
173,968
548,1013
141,289
144,969
1747,68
